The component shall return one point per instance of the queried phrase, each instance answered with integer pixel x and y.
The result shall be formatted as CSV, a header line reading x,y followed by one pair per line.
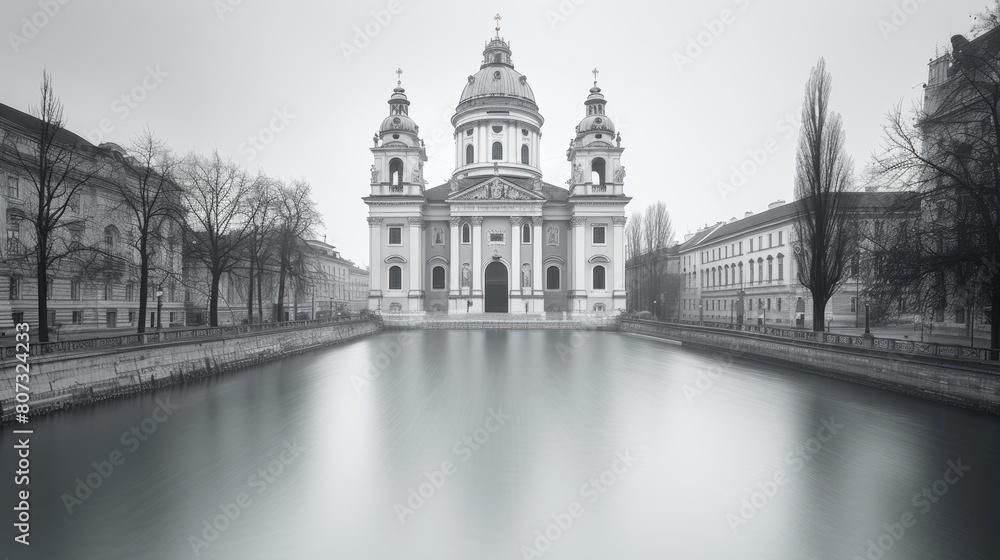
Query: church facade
x,y
496,237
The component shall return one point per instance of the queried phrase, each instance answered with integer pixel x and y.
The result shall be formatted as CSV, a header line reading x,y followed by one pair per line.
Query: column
x,y
454,266
579,226
477,256
416,266
515,258
375,268
619,253
536,262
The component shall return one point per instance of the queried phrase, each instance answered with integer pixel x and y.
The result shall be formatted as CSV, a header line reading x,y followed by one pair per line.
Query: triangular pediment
x,y
495,188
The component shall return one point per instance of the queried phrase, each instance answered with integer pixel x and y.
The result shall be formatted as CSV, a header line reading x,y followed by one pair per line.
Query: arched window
x,y
497,150
760,269
470,154
598,277
552,278
395,278
437,278
726,278
714,280
751,272
741,273
781,266
524,154
597,171
110,237
526,233
466,233
770,268
396,172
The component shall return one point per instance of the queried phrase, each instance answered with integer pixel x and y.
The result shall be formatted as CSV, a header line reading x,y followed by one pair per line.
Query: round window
x,y
524,132
496,75
395,137
396,120
598,120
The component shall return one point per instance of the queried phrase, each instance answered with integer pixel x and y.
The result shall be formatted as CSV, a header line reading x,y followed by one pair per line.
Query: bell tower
x,y
595,153
398,169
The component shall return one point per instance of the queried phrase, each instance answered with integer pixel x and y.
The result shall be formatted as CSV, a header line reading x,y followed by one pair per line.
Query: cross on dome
x,y
595,71
498,17
399,77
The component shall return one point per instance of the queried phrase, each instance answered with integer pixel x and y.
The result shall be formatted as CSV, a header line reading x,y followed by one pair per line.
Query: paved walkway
x,y
982,339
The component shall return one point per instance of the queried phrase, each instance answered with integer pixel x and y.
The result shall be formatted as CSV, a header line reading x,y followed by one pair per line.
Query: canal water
x,y
507,445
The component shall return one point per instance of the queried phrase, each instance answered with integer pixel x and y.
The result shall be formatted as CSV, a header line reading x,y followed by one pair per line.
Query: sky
x,y
698,90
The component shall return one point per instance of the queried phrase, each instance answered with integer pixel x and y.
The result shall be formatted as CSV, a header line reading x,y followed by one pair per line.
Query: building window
x,y
130,293
599,235
437,278
526,233
466,234
552,278
78,317
741,247
960,315
110,236
50,288
751,245
497,151
779,304
13,239
470,154
780,235
13,188
599,278
768,304
770,269
525,154
15,288
395,236
108,291
395,278
74,289
769,245
751,272
760,269
854,305
781,267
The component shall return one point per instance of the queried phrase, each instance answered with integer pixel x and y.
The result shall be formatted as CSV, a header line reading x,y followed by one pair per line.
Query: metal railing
x,y
112,342
912,347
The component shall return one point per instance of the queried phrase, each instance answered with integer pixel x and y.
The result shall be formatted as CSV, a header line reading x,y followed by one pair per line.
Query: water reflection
x,y
379,420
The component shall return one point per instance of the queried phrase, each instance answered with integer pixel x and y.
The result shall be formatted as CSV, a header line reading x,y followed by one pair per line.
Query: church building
x,y
496,237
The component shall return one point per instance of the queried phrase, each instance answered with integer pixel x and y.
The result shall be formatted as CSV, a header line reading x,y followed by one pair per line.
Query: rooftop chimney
x,y
748,214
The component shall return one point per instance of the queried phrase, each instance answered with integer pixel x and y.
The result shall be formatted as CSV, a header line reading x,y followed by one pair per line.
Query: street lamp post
x,y
868,330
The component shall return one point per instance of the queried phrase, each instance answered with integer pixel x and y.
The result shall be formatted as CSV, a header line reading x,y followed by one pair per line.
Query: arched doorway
x,y
496,288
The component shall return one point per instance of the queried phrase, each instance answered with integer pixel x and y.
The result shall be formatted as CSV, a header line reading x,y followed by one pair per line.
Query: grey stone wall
x,y
967,384
61,380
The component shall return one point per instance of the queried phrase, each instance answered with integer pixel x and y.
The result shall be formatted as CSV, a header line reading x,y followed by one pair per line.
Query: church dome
x,y
597,120
399,116
497,77
596,123
399,123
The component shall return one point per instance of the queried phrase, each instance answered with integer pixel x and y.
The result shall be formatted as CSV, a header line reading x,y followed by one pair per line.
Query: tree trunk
x,y
281,294
213,299
819,314
143,284
43,292
995,318
260,292
250,291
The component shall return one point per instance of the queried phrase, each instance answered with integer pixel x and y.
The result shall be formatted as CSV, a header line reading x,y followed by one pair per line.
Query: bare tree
x,y
219,220
152,198
261,242
658,229
823,173
57,170
950,160
296,218
633,235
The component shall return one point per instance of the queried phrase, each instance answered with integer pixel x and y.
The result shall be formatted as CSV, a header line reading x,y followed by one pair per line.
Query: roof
x,y
855,200
30,125
441,192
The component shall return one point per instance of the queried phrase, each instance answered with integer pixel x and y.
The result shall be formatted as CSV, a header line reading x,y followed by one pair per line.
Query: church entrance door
x,y
496,288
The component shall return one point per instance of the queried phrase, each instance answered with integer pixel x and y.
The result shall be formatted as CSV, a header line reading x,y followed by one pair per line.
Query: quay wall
x,y
972,385
61,380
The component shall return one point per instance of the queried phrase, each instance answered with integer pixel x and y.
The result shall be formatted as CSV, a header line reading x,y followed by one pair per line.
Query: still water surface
x,y
624,447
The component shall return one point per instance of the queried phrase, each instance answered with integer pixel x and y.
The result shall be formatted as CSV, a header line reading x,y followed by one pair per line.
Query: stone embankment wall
x,y
967,384
63,380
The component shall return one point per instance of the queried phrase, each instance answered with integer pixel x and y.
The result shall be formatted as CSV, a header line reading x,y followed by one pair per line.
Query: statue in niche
x,y
525,275
418,171
374,174
552,235
438,236
620,174
577,172
466,276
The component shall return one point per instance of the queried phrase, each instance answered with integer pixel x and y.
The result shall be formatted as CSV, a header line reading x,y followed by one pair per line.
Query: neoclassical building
x,y
496,237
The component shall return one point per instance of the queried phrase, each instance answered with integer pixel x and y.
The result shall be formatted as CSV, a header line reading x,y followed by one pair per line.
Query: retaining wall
x,y
61,380
966,384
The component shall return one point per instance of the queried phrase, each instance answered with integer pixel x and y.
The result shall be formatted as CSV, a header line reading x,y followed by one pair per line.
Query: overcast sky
x,y
209,74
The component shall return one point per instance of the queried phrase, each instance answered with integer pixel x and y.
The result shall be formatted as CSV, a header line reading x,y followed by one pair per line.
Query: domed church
x,y
497,238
